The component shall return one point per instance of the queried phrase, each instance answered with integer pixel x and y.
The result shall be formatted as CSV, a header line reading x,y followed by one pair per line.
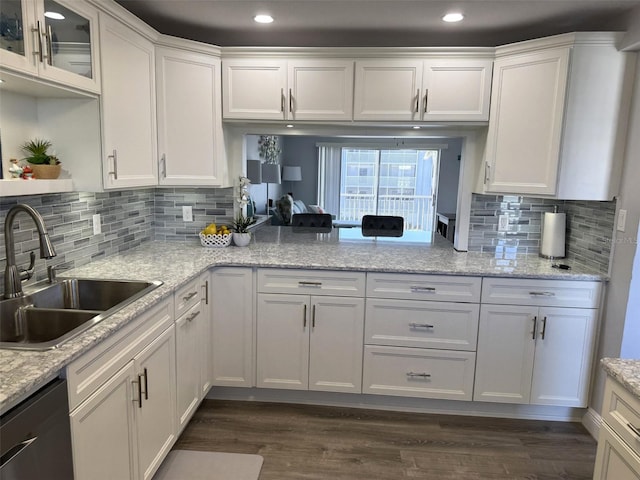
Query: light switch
x,y
622,220
187,213
97,226
503,223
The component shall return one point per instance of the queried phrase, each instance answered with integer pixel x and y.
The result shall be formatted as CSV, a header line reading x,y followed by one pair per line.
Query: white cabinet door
x,y
21,52
387,90
254,89
283,341
335,354
527,107
614,459
187,364
128,107
564,347
232,326
320,90
206,339
456,89
155,367
189,118
103,430
506,347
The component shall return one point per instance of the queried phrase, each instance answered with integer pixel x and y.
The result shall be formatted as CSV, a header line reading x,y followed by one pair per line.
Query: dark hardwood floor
x,y
312,442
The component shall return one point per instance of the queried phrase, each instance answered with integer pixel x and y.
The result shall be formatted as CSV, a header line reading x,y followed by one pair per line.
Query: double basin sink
x,y
52,315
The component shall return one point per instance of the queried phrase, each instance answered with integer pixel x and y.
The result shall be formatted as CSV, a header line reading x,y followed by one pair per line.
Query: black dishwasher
x,y
35,437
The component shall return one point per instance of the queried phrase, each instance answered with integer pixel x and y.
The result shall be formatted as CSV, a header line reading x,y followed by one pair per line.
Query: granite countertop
x,y
176,263
626,371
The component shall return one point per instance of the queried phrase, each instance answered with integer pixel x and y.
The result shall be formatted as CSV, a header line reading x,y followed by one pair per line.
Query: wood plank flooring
x,y
314,442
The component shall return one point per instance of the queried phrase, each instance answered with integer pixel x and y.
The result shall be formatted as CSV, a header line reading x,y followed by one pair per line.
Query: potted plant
x,y
43,164
240,226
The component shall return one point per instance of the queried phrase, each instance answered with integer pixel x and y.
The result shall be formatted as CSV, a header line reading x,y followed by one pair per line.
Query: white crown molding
x,y
359,52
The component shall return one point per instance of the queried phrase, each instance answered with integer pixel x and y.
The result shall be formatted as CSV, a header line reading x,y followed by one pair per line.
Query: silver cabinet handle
x,y
190,296
310,284
193,315
146,384
139,400
419,289
544,328
313,317
290,101
420,325
49,38
282,100
421,375
38,53
535,326
426,96
542,294
635,430
16,450
163,161
418,101
114,172
487,172
304,316
206,292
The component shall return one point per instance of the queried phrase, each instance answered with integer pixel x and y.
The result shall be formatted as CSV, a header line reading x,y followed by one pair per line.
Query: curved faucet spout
x,y
12,278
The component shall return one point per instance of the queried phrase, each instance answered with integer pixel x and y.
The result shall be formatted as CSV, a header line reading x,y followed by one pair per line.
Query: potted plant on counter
x,y
240,227
43,164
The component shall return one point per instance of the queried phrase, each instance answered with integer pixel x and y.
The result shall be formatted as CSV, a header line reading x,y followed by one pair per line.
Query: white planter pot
x,y
241,239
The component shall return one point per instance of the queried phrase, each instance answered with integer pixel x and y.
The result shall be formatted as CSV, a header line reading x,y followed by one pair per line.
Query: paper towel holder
x,y
553,237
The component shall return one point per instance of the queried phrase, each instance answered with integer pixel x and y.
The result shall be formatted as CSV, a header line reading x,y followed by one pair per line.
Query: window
x,y
357,181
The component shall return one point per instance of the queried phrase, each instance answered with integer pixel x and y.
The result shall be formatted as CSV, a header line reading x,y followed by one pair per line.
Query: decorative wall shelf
x,y
9,188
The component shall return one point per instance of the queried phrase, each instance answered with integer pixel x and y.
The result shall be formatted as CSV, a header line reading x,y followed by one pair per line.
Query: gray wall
x,y
449,176
302,151
625,246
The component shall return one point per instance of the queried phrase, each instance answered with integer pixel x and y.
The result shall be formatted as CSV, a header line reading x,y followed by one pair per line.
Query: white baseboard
x,y
402,404
592,421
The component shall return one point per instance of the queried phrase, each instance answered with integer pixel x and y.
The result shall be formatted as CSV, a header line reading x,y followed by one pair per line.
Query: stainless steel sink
x,y
49,316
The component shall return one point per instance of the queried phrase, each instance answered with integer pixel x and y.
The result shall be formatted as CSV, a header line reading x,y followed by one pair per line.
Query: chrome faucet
x,y
12,277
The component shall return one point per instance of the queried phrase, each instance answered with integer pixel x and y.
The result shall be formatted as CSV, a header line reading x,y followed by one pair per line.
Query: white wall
x,y
258,192
618,289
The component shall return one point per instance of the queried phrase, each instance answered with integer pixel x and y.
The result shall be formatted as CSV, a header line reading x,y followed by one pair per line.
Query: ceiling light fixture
x,y
416,127
263,19
289,126
453,17
54,15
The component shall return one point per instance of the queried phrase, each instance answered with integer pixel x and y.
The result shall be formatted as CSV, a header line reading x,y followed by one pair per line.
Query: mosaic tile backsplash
x,y
129,218
589,227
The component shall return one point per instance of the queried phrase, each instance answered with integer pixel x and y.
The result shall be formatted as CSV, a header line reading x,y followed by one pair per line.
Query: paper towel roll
x,y
553,235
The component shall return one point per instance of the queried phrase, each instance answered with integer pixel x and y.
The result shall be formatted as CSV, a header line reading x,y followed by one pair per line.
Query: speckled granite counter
x,y
21,372
627,372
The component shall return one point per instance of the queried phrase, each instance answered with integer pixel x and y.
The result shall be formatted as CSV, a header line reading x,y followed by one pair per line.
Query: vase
x,y
46,172
241,239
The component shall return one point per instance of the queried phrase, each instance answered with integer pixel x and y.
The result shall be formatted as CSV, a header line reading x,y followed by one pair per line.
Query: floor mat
x,y
196,465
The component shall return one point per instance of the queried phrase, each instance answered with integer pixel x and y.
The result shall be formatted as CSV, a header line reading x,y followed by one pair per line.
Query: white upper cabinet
x,y
292,89
189,118
558,127
128,107
444,89
65,51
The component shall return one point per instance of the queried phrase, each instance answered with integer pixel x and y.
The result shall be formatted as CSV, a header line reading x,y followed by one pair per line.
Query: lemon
x,y
210,229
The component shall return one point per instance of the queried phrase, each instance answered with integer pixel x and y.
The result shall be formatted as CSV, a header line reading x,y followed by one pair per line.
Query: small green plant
x,y
37,152
241,223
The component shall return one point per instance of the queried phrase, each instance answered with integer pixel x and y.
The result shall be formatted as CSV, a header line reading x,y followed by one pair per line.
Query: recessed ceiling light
x,y
54,15
416,127
289,126
263,18
1,81
453,17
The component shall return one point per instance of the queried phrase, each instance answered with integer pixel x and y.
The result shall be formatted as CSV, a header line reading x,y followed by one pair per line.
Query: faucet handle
x,y
28,272
52,271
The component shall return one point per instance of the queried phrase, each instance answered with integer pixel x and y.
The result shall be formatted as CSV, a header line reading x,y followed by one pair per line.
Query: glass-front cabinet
x,y
54,40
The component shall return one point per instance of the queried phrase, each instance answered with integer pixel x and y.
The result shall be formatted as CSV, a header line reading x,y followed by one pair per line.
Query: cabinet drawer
x,y
416,372
550,293
310,282
412,323
443,288
614,459
622,413
94,368
187,296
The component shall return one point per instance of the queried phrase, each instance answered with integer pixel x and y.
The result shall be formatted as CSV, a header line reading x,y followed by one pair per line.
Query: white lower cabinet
x,y
537,355
232,327
615,460
193,333
310,342
126,427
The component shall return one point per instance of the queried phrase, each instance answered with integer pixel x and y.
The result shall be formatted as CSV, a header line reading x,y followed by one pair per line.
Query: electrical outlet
x,y
97,225
503,223
187,213
622,220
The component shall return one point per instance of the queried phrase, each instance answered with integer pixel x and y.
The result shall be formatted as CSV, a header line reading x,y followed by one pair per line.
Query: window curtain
x,y
329,178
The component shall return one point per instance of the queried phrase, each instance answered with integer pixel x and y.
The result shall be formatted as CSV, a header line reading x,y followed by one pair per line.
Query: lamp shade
x,y
254,171
270,173
292,174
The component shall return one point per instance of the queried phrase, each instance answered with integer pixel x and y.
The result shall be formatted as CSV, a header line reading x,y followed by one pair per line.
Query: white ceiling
x,y
378,22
